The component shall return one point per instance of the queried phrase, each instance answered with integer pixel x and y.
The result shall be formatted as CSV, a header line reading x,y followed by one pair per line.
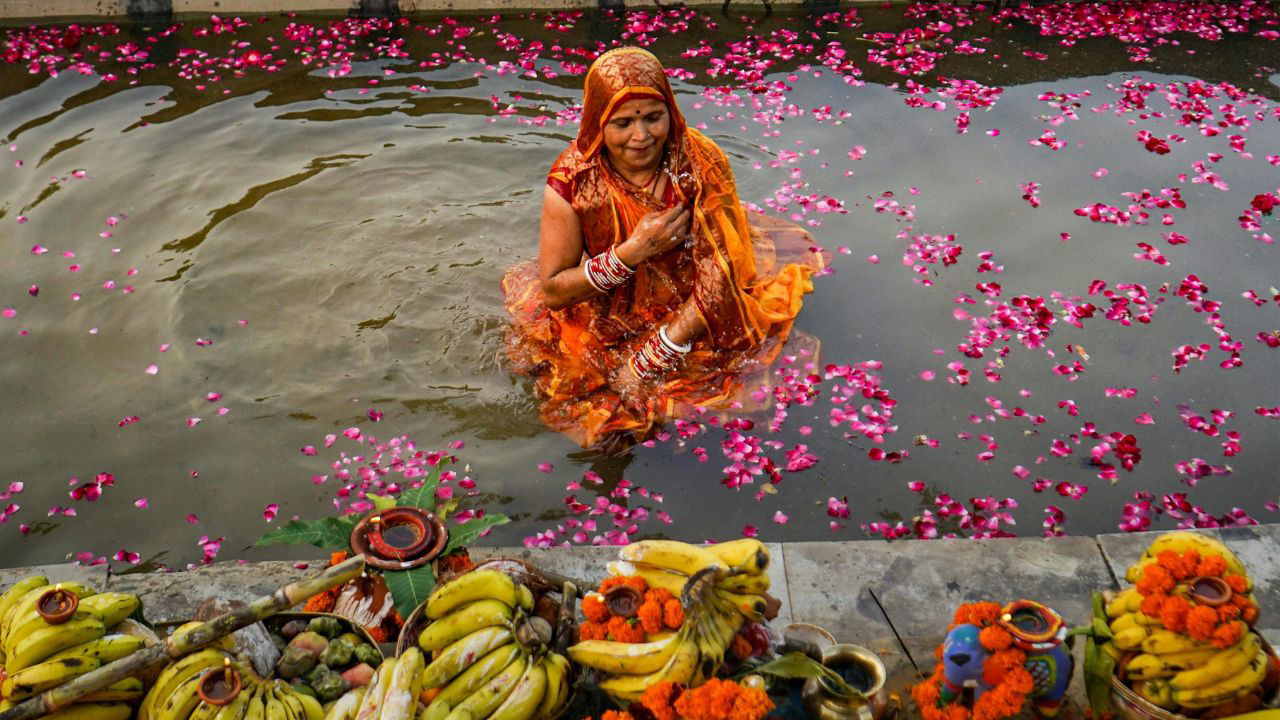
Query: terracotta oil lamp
x,y
57,605
220,686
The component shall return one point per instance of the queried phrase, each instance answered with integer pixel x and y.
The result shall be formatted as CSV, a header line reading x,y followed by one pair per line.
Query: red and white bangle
x,y
606,271
657,355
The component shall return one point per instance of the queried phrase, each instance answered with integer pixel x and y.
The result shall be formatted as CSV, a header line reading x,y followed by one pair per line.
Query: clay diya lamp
x,y
623,600
57,605
1210,591
399,538
219,686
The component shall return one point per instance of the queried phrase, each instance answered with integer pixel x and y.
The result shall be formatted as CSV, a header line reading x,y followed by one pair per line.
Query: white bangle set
x,y
671,345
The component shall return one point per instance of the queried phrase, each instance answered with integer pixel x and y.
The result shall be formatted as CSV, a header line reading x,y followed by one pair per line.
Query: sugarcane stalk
x,y
179,644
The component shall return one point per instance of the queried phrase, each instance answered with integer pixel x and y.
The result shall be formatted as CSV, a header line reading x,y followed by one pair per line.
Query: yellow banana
x,y
473,586
673,555
1111,649
1242,683
1131,638
462,653
311,707
1187,659
110,607
557,668
619,658
371,705
679,669
750,607
204,711
18,589
1156,692
257,709
744,555
1163,642
437,710
226,642
464,621
1119,605
475,677
125,690
525,697
1148,667
275,704
655,577
484,701
400,700
183,700
174,675
37,678
238,707
346,706
26,603
1226,664
525,598
92,711
107,648
1183,540
745,584
293,701
45,641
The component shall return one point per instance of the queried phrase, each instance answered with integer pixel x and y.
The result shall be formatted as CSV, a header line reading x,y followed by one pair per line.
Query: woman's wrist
x,y
630,253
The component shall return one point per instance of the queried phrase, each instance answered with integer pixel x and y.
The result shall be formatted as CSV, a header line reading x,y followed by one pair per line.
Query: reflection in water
x,y
307,248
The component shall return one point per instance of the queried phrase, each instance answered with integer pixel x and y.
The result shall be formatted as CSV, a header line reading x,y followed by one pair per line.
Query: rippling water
x,y
340,240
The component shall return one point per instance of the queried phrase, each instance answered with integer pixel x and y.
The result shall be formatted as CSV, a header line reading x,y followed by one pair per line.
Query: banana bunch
x,y
489,660
176,696
719,586
1180,541
38,656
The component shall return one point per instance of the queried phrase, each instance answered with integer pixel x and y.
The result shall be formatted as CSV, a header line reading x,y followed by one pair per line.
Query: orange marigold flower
x,y
1249,614
1211,566
594,609
378,633
1238,583
624,630
650,615
1228,612
616,715
672,614
981,614
591,631
741,647
657,699
1201,621
995,637
1152,604
1173,613
751,704
1155,579
658,595
1225,636
324,602
337,557
1241,600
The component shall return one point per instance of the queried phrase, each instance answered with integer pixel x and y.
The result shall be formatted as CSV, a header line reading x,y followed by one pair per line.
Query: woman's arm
x,y
564,277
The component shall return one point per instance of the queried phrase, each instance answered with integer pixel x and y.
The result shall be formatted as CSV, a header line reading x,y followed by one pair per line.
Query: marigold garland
x,y
1162,586
1003,670
658,611
714,700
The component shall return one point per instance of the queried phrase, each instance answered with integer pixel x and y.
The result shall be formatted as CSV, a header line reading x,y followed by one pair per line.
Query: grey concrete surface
x,y
1257,546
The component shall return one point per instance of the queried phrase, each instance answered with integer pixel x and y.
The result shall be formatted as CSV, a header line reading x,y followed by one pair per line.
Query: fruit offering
x,y
1182,634
183,692
51,634
321,656
488,658
717,588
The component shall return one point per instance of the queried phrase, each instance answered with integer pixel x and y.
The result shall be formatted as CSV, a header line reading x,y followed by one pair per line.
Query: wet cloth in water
x,y
746,273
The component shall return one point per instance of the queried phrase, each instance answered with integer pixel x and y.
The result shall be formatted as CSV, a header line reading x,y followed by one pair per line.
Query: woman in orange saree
x,y
654,293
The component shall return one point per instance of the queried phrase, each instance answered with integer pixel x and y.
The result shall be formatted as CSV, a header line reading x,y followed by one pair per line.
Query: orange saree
x,y
746,275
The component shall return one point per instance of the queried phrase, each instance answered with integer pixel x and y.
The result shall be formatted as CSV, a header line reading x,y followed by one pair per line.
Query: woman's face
x,y
636,133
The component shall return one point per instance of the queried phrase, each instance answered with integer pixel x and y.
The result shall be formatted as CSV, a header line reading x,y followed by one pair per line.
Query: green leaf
x,y
463,535
410,588
422,497
1098,669
329,533
382,502
794,665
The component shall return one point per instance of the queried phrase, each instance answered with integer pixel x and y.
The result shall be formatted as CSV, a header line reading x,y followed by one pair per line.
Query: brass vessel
x,y
823,702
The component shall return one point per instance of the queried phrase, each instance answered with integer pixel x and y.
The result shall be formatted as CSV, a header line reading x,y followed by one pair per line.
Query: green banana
x,y
125,690
107,648
484,701
525,697
45,641
463,652
464,621
474,677
37,678
110,607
